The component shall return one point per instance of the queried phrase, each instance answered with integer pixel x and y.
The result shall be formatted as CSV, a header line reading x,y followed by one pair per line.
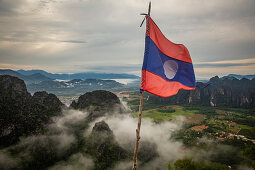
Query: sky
x,y
69,36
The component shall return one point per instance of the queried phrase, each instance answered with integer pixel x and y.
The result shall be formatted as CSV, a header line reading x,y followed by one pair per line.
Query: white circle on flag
x,y
170,68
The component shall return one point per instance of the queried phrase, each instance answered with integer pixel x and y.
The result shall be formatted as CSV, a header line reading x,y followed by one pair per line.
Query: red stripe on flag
x,y
156,85
177,51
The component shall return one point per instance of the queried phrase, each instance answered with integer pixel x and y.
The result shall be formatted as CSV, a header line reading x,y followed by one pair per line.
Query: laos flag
x,y
167,67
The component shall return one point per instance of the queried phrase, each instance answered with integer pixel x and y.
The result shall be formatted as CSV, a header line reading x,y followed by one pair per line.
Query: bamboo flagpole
x,y
139,116
138,131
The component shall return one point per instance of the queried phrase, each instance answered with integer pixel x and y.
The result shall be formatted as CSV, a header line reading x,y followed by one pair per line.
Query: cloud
x,y
205,72
220,65
226,63
8,162
121,68
242,61
52,145
76,161
123,127
74,41
59,34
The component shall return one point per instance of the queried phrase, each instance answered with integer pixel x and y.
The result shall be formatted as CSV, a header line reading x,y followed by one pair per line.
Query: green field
x,y
222,126
160,114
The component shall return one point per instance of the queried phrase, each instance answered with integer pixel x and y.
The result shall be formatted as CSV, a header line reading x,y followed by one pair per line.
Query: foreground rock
x,y
22,114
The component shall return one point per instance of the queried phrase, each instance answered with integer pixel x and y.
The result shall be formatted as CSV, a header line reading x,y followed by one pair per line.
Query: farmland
x,y
222,126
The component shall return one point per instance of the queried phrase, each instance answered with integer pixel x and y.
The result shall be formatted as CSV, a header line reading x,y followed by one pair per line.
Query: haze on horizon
x,y
68,36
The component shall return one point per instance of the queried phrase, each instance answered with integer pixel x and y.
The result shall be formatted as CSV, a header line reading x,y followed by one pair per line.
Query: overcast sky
x,y
67,36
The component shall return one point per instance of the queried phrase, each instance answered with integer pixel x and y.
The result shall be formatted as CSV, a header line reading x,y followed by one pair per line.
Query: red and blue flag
x,y
167,67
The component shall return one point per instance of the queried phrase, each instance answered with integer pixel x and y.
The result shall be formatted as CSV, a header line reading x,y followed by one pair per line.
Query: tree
x,y
184,164
169,166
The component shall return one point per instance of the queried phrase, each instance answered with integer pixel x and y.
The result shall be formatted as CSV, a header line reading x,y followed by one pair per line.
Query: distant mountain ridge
x,y
38,80
82,75
29,79
76,85
238,76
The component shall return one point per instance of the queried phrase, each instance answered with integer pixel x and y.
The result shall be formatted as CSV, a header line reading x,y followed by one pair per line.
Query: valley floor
x,y
233,127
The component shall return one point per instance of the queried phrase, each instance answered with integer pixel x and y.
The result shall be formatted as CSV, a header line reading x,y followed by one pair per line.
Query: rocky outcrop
x,y
103,140
102,145
50,101
227,91
23,114
98,98
147,151
99,103
101,133
12,88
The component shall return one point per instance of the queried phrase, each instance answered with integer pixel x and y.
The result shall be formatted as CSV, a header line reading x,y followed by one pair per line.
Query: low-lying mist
x,y
158,134
54,144
63,144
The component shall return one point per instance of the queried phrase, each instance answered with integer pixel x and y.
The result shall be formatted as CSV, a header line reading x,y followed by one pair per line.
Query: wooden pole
x,y
139,119
138,131
149,9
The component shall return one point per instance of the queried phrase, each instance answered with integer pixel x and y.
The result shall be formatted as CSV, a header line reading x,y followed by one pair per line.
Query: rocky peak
x,y
13,87
98,103
20,113
102,133
101,127
102,145
99,98
50,101
225,92
214,79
